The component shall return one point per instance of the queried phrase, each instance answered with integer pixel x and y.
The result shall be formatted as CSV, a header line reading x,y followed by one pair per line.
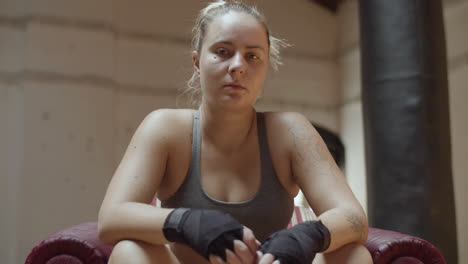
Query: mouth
x,y
234,86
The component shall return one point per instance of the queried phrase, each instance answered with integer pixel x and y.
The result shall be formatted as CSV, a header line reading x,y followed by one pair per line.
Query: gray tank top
x,y
268,211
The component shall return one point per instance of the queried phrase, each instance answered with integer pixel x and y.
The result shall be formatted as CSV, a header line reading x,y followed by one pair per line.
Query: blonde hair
x,y
205,17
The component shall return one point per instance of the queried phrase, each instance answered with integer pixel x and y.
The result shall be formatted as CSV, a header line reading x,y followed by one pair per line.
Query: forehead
x,y
236,27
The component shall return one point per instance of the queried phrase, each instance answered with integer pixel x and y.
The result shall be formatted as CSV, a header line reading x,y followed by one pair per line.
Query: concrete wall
x,y
351,126
456,19
77,77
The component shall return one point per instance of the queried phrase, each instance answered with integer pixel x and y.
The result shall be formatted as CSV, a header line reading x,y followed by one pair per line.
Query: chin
x,y
235,104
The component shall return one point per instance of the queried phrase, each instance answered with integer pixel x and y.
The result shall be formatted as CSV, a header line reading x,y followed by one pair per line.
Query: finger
x,y
232,258
249,239
259,255
276,262
243,252
216,260
267,259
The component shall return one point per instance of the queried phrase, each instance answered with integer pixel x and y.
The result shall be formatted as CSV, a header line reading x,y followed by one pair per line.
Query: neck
x,y
228,131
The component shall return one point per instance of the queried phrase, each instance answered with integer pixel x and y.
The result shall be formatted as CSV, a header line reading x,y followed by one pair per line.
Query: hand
x,y
266,259
296,245
205,231
244,251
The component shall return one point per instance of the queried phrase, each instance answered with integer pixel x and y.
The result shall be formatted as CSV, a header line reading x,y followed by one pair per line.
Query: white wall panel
x,y
348,25
168,18
13,153
459,130
87,10
310,28
456,22
152,63
350,75
304,81
12,8
68,157
352,134
131,109
8,172
11,48
68,50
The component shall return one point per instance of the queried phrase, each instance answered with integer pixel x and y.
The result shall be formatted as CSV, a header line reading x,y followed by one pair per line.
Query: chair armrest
x,y
75,245
80,245
388,247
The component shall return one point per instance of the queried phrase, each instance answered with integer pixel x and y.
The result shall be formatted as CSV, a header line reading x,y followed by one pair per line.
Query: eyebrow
x,y
231,44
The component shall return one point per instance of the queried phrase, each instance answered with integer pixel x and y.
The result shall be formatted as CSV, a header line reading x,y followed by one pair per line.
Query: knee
x,y
355,247
123,251
128,251
356,253
349,253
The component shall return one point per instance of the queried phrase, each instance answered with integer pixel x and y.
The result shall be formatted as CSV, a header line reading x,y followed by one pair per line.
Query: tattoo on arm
x,y
302,136
318,152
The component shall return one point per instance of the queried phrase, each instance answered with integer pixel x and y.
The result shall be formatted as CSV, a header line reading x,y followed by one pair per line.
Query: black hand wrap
x,y
205,231
299,244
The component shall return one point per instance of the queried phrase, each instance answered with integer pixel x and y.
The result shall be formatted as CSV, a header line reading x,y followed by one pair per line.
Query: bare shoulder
x,y
289,125
146,157
285,117
169,116
285,131
166,124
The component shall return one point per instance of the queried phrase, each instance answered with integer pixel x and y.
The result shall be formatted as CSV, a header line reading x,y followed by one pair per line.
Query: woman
x,y
237,170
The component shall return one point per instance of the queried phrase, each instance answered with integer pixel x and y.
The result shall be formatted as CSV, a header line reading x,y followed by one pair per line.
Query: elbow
x,y
364,235
358,223
104,228
365,230
104,235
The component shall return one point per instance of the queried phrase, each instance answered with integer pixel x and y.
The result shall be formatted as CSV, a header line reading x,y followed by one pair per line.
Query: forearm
x,y
346,225
133,221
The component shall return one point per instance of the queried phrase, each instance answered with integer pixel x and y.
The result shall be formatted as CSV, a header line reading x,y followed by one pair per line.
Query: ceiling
x,y
330,4
333,4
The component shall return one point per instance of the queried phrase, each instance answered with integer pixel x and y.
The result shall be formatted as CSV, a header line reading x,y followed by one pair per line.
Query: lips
x,y
234,86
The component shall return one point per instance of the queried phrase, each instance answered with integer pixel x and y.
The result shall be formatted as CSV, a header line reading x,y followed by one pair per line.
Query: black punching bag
x,y
406,120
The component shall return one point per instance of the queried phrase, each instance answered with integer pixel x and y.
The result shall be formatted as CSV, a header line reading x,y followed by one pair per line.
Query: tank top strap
x,y
270,199
262,135
196,145
266,162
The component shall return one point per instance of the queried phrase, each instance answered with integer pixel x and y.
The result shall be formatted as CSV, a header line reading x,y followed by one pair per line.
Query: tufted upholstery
x,y
80,245
75,245
396,248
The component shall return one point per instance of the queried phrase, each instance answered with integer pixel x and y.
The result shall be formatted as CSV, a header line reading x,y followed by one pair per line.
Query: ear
x,y
196,60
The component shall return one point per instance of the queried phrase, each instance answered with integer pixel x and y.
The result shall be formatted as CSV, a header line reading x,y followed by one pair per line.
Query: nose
x,y
238,64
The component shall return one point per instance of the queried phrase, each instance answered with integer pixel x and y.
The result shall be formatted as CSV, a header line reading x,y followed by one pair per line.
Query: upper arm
x,y
141,170
314,169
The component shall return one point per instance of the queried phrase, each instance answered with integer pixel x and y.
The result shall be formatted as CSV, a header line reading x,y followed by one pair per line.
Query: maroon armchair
x,y
80,245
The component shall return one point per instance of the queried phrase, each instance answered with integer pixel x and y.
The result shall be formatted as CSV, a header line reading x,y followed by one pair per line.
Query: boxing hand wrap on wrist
x,y
205,231
299,244
173,225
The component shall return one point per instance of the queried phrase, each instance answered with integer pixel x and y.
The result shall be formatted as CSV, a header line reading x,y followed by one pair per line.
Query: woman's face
x,y
233,60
